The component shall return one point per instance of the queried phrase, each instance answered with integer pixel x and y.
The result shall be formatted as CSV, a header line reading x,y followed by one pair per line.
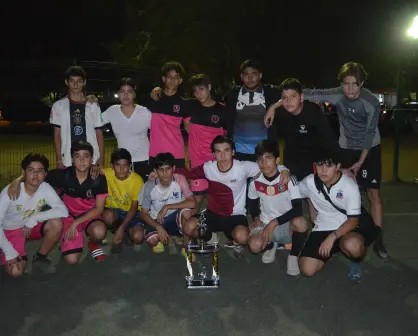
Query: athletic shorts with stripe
x,y
172,224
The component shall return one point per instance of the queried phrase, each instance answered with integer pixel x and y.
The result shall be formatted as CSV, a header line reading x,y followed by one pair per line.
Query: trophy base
x,y
202,284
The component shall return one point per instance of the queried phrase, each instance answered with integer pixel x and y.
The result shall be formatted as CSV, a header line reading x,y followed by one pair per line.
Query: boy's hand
x,y
156,93
162,233
14,190
161,214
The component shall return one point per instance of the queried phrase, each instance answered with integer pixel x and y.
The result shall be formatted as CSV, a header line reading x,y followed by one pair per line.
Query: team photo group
x,y
229,171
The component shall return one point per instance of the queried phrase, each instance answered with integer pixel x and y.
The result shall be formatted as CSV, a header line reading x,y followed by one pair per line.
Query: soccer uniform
x,y
226,193
247,119
306,136
29,211
165,136
206,123
358,130
153,198
132,134
275,201
79,199
345,195
77,121
122,193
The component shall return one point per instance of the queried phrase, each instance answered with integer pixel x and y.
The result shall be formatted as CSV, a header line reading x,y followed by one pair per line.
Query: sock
x,y
96,251
298,241
40,256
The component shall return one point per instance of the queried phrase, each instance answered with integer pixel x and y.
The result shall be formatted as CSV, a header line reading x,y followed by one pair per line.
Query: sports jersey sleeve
x,y
303,188
55,117
4,204
100,189
294,188
55,178
253,201
332,96
353,201
145,195
6,247
57,207
97,116
252,192
105,116
181,180
372,107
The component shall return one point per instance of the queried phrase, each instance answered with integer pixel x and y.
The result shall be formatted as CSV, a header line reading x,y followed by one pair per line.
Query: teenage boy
x,y
121,208
166,203
34,212
276,210
76,119
342,224
358,112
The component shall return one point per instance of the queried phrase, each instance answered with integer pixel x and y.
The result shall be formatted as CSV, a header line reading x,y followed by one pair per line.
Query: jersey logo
x,y
89,193
340,195
233,181
78,130
270,190
175,194
302,129
351,110
215,119
176,108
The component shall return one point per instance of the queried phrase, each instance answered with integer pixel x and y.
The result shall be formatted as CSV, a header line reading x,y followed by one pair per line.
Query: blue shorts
x,y
172,224
133,222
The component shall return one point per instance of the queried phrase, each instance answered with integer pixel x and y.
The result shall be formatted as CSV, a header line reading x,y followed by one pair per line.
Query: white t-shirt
x,y
275,199
345,194
60,117
131,133
27,210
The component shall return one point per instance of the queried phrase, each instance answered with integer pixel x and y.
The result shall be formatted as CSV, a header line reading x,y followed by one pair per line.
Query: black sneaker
x,y
44,264
379,248
229,244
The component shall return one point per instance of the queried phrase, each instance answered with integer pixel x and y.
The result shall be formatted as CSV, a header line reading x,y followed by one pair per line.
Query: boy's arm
x,y
333,95
162,233
100,142
130,215
253,201
192,173
55,120
58,208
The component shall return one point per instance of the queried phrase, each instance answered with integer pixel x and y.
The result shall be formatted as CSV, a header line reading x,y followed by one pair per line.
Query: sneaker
x,y
379,248
96,251
214,239
229,244
293,265
44,264
159,248
269,256
238,251
286,247
355,272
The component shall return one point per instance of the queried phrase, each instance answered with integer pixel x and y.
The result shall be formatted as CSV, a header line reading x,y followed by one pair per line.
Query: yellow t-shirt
x,y
122,193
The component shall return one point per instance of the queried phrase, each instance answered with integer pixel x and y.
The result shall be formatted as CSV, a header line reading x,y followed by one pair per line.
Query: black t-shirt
x,y
306,134
78,122
216,116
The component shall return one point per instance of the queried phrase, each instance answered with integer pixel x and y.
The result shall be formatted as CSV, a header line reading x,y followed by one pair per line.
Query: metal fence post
x,y
396,147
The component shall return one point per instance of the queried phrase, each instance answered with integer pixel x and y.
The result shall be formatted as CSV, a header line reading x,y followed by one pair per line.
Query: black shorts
x,y
370,174
225,224
142,168
365,228
245,157
179,163
301,168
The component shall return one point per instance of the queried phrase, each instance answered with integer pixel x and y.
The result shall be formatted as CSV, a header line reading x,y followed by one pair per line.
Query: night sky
x,y
304,39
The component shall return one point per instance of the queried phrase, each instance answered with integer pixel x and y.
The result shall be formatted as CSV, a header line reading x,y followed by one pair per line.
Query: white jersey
x,y
131,133
275,199
60,117
345,194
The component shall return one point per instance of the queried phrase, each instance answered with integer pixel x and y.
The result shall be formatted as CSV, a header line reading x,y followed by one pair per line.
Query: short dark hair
x,y
353,69
199,80
220,139
81,145
329,158
126,81
120,154
291,84
267,146
250,64
34,157
164,159
75,71
173,66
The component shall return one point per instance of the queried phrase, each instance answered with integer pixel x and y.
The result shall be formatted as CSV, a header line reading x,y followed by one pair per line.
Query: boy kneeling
x,y
342,224
280,220
166,203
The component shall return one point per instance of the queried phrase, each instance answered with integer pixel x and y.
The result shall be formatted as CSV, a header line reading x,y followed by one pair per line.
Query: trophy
x,y
196,280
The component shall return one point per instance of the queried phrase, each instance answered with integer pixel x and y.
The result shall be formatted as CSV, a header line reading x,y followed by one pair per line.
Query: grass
x,y
13,148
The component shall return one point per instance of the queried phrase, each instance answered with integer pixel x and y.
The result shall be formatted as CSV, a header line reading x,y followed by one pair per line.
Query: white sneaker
x,y
269,256
214,239
293,265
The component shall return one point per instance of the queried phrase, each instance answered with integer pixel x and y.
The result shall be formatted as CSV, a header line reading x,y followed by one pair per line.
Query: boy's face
x,y
75,84
268,164
126,95
82,160
223,153
165,173
351,88
251,78
34,174
292,100
122,169
327,172
172,80
202,93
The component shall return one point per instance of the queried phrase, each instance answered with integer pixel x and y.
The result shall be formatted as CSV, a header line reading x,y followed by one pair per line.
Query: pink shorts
x,y
77,244
200,186
18,240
